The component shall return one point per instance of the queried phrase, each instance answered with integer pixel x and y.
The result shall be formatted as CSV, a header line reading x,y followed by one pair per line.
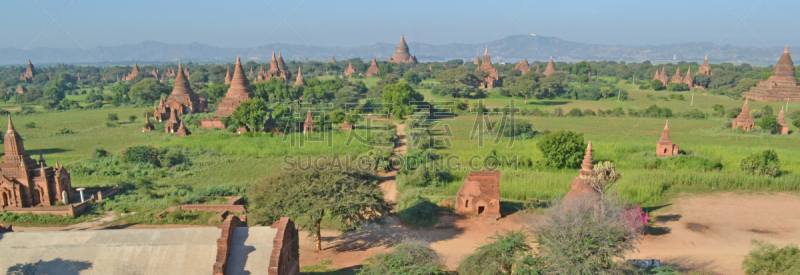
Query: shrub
x,y
141,154
769,123
406,258
575,112
113,117
497,257
764,163
30,125
562,149
767,258
515,127
677,87
677,96
413,209
100,153
796,123
657,85
132,118
64,131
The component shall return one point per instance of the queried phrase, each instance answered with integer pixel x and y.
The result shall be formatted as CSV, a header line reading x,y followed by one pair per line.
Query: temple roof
x,y
782,118
13,141
665,135
281,64
181,84
333,60
240,86
744,115
300,80
588,162
228,75
402,54
551,67
784,72
402,47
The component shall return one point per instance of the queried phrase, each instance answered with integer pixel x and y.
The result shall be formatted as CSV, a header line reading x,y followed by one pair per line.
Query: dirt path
x,y
389,179
713,232
96,223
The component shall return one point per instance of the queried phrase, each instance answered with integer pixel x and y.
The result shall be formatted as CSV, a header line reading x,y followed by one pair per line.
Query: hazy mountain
x,y
509,49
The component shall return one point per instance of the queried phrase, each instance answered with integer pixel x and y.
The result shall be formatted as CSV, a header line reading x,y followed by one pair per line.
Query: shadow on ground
x,y
392,234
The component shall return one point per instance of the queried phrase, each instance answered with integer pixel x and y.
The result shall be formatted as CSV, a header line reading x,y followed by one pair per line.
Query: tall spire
x,y
551,67
240,86
665,134
402,47
486,51
10,125
588,162
228,75
181,84
13,141
300,80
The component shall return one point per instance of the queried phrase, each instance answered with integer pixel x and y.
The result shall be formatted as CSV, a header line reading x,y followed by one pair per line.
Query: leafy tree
x,y
350,197
216,91
113,117
723,79
677,87
147,91
562,149
767,258
719,110
459,75
769,123
500,256
764,163
401,96
337,116
657,85
528,86
577,239
252,113
416,210
198,77
405,258
796,123
346,97
555,84
412,77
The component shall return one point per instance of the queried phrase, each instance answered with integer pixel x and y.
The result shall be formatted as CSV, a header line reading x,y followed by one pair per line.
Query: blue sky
x,y
248,23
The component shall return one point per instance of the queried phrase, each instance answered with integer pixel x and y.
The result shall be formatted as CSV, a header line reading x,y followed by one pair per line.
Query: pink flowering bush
x,y
635,217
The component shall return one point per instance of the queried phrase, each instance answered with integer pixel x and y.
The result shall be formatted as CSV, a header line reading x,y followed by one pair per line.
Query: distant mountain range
x,y
509,49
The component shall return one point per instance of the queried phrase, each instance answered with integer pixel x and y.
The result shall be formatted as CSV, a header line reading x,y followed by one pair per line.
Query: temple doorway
x,y
480,210
5,199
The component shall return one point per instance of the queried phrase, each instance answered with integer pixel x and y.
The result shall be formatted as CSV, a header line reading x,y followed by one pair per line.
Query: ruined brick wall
x,y
285,257
214,207
224,243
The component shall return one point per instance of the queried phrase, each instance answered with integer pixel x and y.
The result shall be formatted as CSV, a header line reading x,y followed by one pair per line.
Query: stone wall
x,y
285,257
224,243
72,210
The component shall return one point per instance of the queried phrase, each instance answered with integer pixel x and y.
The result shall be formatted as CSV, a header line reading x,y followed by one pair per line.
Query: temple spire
x,y
588,162
486,51
10,125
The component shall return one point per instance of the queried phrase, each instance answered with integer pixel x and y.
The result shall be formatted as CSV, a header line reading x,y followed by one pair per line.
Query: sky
x,y
28,24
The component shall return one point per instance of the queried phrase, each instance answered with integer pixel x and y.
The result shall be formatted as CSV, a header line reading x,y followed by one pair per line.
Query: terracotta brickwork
x,y
523,66
224,243
132,74
744,120
580,189
308,125
782,85
24,182
183,100
349,70
664,146
373,68
491,80
238,92
480,194
705,68
301,81
147,125
551,67
401,54
277,70
285,256
29,73
784,127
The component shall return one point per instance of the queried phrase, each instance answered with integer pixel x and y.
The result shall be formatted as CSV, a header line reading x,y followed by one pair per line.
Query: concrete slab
x,y
251,248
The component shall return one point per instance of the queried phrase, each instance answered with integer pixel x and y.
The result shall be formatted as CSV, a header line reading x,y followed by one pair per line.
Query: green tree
x,y
409,257
767,258
252,113
528,86
769,123
216,91
400,96
346,97
562,149
796,123
500,256
147,91
657,85
198,77
349,197
412,77
764,163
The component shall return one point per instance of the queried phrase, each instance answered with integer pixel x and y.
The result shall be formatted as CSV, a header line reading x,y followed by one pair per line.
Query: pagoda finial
x,y
588,162
10,124
486,51
273,56
41,157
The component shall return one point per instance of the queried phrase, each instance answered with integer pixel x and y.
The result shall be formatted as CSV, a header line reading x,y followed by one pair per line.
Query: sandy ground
x,y
453,237
713,232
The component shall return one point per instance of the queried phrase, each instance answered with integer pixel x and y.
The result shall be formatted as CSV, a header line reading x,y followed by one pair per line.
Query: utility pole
x,y
619,93
692,99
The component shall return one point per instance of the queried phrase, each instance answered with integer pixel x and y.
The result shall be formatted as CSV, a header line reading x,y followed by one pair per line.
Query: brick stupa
x,y
308,125
580,188
349,70
132,74
676,78
277,70
705,68
744,120
486,65
523,66
784,127
401,54
782,85
183,99
551,67
228,75
238,92
373,68
29,73
479,194
300,80
664,146
147,125
182,131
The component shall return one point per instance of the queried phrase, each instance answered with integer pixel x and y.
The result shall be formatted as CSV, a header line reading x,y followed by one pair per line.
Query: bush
x,y
562,149
677,87
764,163
684,162
767,258
100,153
515,127
113,117
30,125
415,210
575,112
406,258
657,85
499,256
64,131
769,123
